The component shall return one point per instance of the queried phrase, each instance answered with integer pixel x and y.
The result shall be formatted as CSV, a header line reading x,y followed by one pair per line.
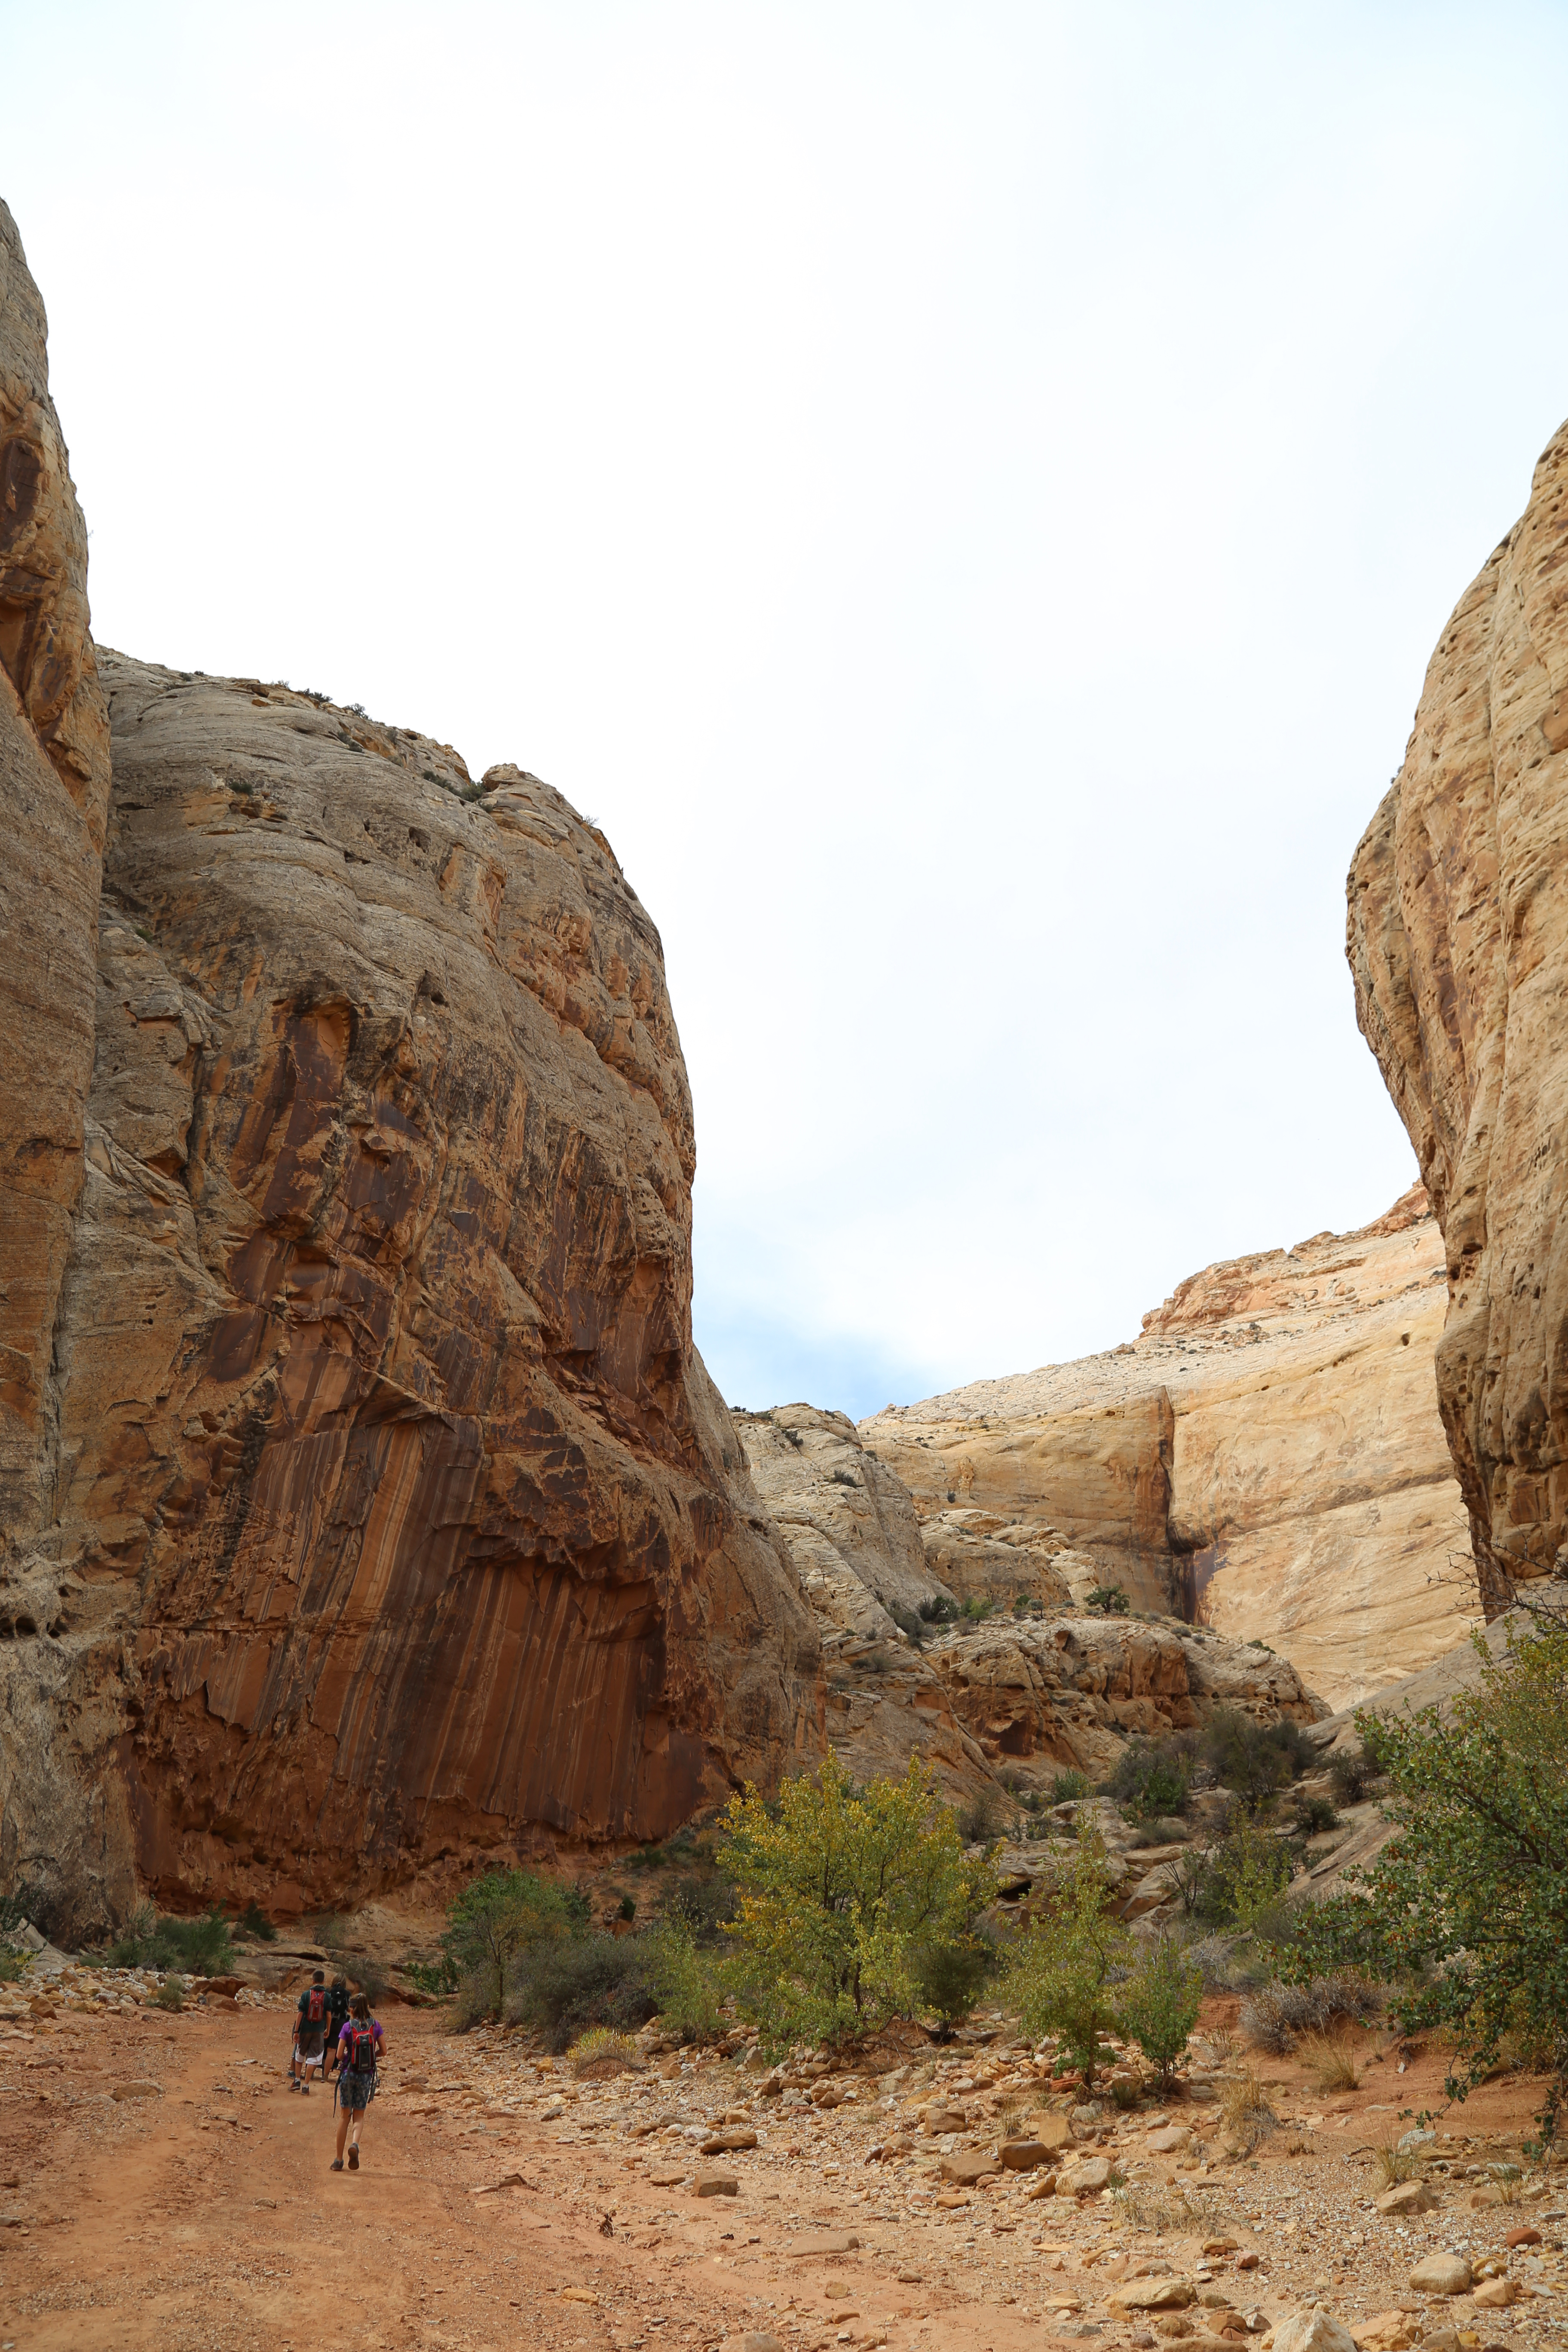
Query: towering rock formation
x,y
54,774
366,1504
1267,1458
1457,939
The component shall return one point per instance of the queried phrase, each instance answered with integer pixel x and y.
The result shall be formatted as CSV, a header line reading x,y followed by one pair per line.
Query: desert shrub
x,y
1394,2163
1248,2116
877,1660
1070,1786
1158,2006
939,1609
976,1610
1330,2058
368,1977
1189,1877
254,1922
170,1995
683,1974
1214,1957
1315,1814
1255,1759
1465,1910
199,1947
562,1987
1246,1871
909,1621
1152,1779
498,1920
626,1908
950,1976
602,2052
980,1821
1109,1600
1353,1774
1061,1976
1276,2014
840,1890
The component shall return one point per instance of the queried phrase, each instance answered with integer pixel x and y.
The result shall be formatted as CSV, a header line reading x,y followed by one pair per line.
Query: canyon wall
x,y
1458,940
1267,1458
366,1505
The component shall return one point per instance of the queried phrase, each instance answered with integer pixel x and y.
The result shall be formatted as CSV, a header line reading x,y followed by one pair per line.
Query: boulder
x,y
1408,2197
1441,2274
1497,2293
1316,2330
716,2184
965,2169
723,2142
1024,2155
1168,2141
1086,2178
1154,2294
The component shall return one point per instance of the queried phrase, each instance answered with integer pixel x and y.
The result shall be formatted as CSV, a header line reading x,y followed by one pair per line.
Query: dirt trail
x,y
205,2214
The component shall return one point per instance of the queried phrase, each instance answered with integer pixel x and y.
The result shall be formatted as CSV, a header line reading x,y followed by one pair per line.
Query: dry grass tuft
x,y
1248,2117
1149,2207
603,2052
1330,2058
1393,2164
1275,2014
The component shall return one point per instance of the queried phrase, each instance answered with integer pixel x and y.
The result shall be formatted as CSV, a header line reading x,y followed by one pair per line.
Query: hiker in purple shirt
x,y
360,2044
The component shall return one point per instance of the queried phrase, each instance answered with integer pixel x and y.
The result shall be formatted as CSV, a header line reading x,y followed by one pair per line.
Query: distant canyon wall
x,y
1458,940
1267,1458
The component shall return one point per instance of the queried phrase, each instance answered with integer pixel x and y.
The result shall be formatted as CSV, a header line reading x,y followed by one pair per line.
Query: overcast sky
x,y
963,494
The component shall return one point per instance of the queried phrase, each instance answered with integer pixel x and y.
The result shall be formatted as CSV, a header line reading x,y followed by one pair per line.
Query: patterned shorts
x,y
354,2091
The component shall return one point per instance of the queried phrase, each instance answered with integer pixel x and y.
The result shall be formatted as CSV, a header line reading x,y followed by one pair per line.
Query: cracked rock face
x,y
1457,939
366,1506
379,1403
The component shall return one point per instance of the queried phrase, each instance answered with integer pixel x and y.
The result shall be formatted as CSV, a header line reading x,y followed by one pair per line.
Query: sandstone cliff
x,y
1008,1700
1266,1457
1457,939
365,1503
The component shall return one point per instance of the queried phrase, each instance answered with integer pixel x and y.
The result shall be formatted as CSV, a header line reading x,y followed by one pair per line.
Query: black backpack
x,y
361,2053
316,2005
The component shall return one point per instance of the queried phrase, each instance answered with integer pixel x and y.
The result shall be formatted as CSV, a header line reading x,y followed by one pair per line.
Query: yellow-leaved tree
x,y
846,1896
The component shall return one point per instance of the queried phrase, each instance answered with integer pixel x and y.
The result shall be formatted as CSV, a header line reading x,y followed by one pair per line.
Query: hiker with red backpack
x,y
360,2046
313,2009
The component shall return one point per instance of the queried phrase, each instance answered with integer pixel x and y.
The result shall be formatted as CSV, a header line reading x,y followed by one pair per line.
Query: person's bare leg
x,y
342,2130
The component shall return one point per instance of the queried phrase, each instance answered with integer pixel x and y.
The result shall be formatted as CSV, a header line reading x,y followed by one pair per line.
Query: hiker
x,y
336,2010
360,2043
309,2032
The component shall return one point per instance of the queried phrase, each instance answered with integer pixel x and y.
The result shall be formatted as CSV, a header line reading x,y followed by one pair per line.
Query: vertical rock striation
x,y
54,779
1458,940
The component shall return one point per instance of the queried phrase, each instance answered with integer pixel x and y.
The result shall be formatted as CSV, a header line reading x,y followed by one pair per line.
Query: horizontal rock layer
x,y
1457,939
1267,1458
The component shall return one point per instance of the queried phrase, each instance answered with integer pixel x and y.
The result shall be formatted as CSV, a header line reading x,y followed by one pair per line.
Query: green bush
x,y
1158,2007
1062,1975
495,1921
1244,1874
1070,1786
1255,1759
950,1977
254,1922
1109,1600
200,1947
1465,1910
841,1889
171,1994
1315,1814
684,1977
1152,1779
1353,1775
939,1609
909,1621
561,1989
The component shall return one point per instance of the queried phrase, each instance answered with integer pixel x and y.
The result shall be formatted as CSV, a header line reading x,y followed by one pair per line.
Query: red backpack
x,y
316,2006
361,2053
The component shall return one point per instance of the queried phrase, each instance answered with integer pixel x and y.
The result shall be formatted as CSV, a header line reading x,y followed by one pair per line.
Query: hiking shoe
x,y
353,2159
337,2163
305,2088
293,2082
